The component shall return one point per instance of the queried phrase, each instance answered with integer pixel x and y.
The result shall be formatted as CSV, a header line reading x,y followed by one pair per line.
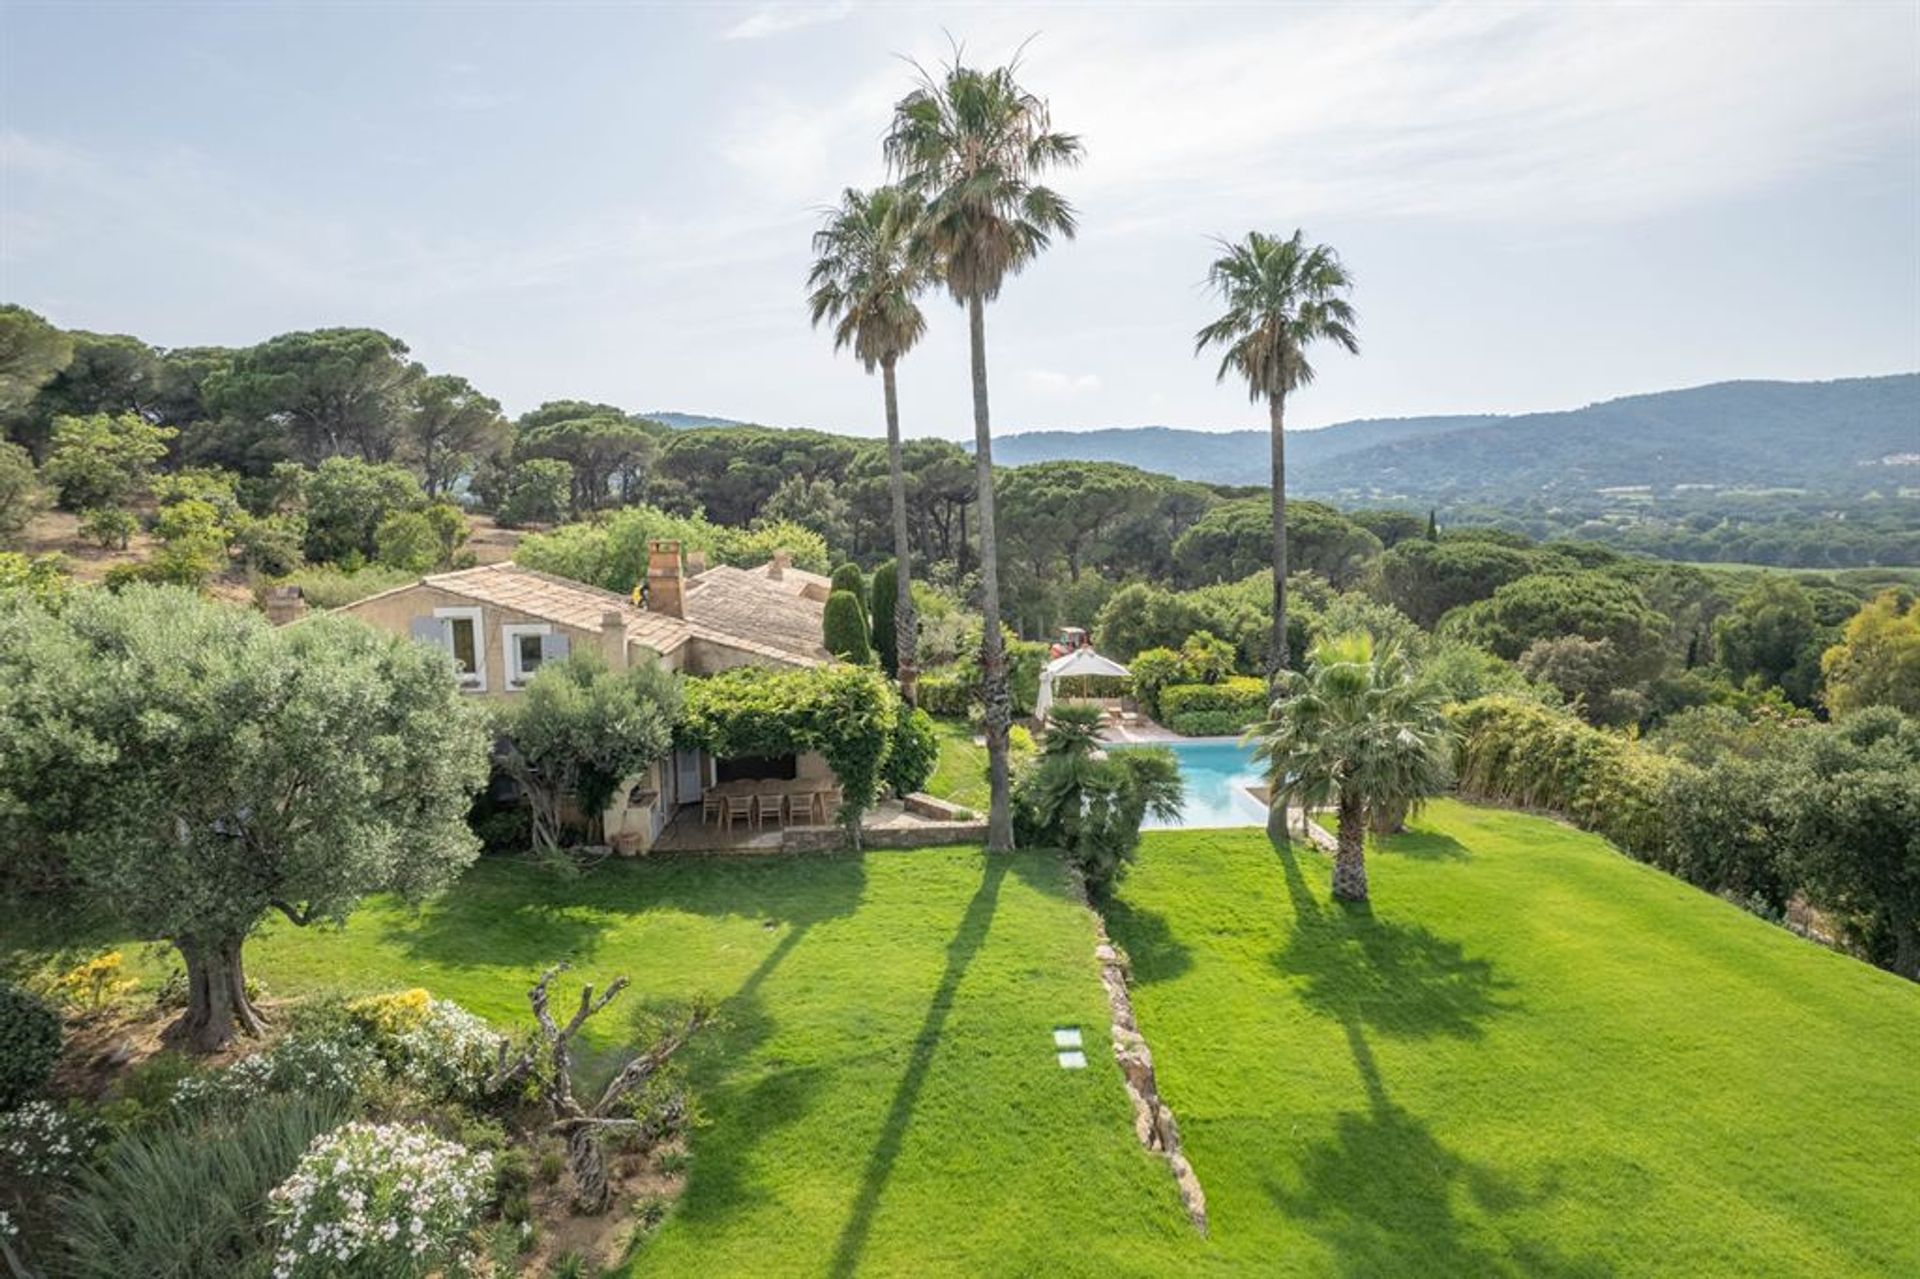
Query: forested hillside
x,y
1842,436
1220,457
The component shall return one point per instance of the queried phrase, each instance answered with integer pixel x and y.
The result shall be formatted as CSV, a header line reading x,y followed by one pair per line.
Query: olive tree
x,y
580,732
196,771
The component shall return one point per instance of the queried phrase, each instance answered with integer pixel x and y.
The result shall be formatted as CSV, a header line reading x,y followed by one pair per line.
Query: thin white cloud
x,y
1485,113
1059,385
777,19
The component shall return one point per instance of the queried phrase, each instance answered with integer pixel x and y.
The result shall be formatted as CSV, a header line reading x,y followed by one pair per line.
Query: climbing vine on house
x,y
847,713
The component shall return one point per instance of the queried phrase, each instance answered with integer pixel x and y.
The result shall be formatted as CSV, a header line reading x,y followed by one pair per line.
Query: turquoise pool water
x,y
1217,772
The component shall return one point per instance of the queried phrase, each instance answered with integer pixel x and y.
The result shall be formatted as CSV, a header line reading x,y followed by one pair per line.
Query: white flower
x,y
346,1201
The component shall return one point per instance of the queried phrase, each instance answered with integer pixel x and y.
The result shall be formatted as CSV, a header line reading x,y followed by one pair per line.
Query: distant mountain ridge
x,y
1217,457
690,421
1849,435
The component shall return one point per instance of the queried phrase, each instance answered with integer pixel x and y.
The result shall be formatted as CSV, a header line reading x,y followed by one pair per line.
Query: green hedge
x,y
915,752
1025,659
947,691
29,1045
1239,696
955,690
1522,753
1210,723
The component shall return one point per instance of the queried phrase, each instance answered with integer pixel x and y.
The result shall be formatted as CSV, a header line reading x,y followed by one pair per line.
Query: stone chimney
x,y
782,561
666,587
613,639
696,563
285,604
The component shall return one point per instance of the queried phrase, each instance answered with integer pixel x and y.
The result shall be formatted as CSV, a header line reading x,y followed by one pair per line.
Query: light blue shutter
x,y
554,648
430,630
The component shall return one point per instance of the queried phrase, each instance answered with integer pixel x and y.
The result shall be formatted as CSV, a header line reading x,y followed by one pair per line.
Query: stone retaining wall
x,y
1153,1121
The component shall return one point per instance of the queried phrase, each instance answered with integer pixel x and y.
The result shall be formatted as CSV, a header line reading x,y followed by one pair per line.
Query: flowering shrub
x,y
96,983
448,1053
433,1045
323,1063
40,1141
378,1200
392,1012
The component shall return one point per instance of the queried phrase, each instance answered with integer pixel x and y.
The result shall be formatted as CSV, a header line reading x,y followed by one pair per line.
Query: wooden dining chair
x,y
713,807
739,809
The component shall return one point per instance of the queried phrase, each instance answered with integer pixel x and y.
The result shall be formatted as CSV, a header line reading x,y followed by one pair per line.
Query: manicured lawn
x,y
882,1097
961,774
1531,1057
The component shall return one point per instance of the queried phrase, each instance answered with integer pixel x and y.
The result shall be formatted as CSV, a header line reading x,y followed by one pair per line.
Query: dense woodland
x,y
334,460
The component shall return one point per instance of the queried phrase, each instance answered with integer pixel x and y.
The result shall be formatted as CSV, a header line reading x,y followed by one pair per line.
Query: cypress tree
x,y
849,578
886,643
844,628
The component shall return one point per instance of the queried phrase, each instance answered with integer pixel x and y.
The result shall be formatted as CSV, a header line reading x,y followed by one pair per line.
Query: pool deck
x,y
1144,732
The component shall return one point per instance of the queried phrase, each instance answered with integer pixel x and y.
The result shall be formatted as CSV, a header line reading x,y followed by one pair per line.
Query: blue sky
x,y
1542,206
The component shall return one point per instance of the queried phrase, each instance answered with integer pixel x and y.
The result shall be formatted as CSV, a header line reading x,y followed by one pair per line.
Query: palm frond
x,y
868,269
1281,296
970,142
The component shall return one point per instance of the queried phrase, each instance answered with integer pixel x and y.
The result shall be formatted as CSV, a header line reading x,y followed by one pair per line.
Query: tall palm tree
x,y
972,143
1357,731
1282,296
868,269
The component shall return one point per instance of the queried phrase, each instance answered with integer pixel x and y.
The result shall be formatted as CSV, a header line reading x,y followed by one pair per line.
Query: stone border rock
x,y
1153,1121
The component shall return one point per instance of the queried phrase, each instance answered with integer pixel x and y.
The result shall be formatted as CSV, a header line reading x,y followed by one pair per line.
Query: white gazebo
x,y
1081,661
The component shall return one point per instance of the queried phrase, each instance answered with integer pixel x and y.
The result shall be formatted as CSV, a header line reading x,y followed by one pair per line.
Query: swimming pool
x,y
1216,771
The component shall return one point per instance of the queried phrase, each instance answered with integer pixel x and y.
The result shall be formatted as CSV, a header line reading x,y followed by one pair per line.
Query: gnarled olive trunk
x,y
1350,854
1277,644
587,1162
217,1002
906,626
993,653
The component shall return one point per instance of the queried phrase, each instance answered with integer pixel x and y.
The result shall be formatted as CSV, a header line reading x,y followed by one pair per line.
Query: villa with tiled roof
x,y
502,622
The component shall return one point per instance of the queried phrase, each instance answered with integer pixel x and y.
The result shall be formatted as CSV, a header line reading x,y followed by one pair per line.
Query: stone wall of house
x,y
395,612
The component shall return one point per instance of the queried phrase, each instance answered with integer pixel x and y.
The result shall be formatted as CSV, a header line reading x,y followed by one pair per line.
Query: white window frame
x,y
509,637
477,681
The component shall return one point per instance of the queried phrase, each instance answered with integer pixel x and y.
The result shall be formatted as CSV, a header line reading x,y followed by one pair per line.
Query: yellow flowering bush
x,y
394,1012
96,983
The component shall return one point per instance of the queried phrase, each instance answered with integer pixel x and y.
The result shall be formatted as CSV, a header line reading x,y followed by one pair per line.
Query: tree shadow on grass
x,y
1398,978
517,914
1389,1199
1383,1190
1422,845
1153,952
961,950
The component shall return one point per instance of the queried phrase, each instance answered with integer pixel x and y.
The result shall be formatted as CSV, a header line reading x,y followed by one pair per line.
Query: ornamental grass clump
x,y
387,1200
189,1198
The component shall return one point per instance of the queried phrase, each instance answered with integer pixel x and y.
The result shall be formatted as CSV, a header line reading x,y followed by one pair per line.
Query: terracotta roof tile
x,y
743,604
738,608
561,600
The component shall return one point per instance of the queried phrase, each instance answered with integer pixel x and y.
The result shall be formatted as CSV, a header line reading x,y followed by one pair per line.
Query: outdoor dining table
x,y
783,801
